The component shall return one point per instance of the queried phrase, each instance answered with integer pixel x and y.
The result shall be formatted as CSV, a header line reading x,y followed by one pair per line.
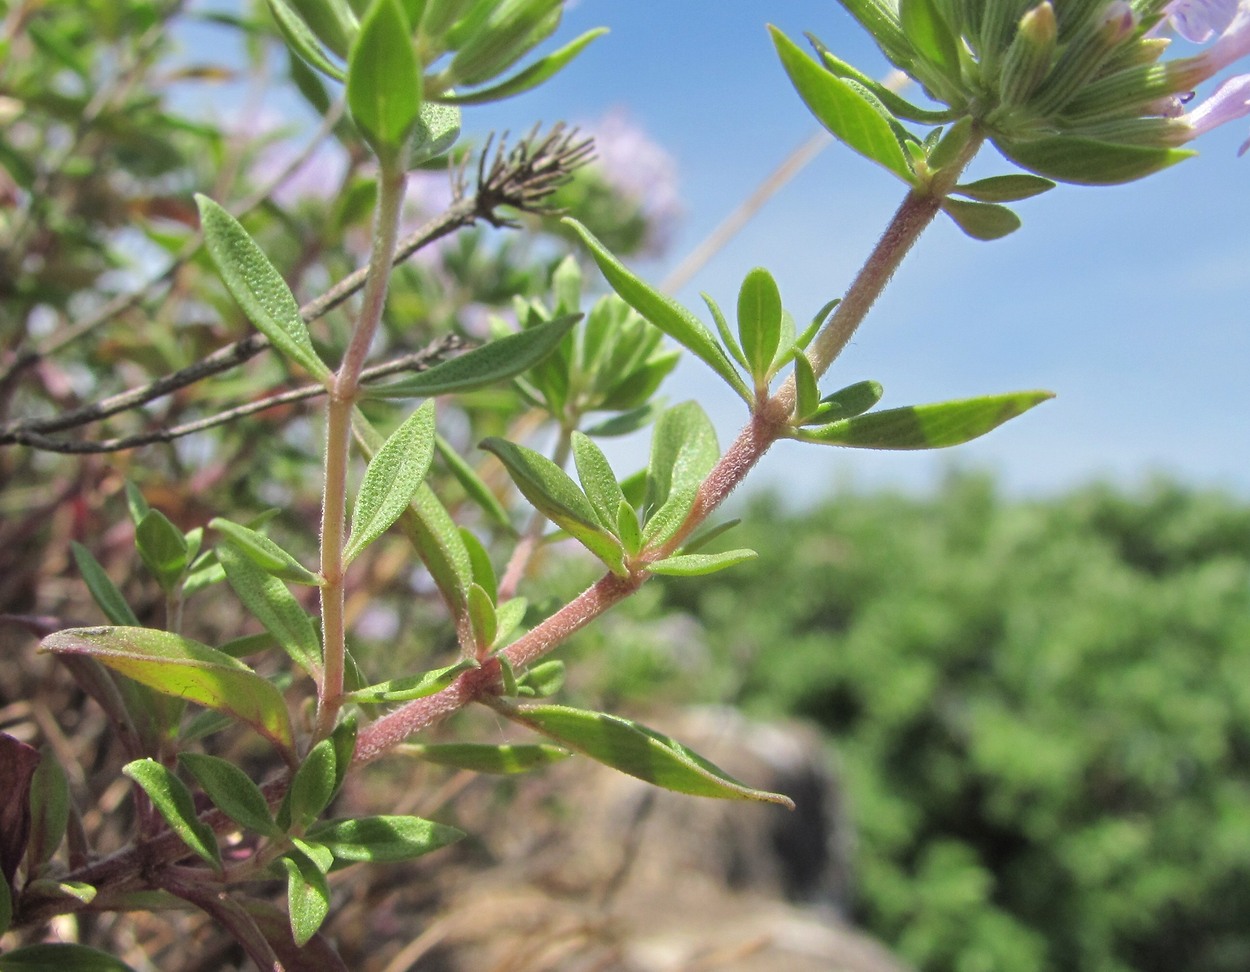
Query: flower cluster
x,y
1089,72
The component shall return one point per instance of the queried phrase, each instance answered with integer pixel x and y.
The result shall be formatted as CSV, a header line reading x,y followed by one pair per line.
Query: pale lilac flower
x,y
1228,21
1200,20
1230,101
641,170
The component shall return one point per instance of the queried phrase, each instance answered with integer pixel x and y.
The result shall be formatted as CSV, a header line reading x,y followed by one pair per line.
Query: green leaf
x,y
636,750
544,679
162,547
508,617
481,616
557,497
49,812
804,339
807,393
264,553
136,505
232,791
683,452
307,895
693,565
726,335
257,287
948,148
174,802
981,221
665,313
6,907
473,485
1087,161
856,119
926,426
759,322
503,37
384,79
846,402
598,480
663,524
302,41
394,473
343,740
530,77
332,21
61,956
627,529
185,669
1005,188
501,359
102,589
438,127
312,787
707,535
929,35
479,558
274,606
482,758
899,107
382,839
410,687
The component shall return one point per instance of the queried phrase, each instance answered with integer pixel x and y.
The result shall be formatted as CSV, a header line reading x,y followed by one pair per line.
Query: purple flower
x,y
1200,20
1230,101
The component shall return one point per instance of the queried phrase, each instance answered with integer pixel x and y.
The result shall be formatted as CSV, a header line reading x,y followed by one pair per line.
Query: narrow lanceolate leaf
x,y
300,39
232,791
394,473
61,956
264,553
627,529
1004,188
530,77
806,392
597,479
981,221
556,496
481,616
500,360
429,528
482,758
258,287
759,321
1086,161
665,313
382,839
274,606
928,34
185,669
473,485
693,565
544,679
411,686
926,426
105,592
636,750
846,403
307,895
859,123
726,335
174,802
384,78
508,617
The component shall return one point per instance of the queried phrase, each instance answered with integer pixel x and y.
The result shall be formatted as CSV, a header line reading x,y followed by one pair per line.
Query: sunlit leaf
x,y
636,750
174,802
258,287
694,565
274,606
184,669
391,480
382,839
384,79
482,758
232,791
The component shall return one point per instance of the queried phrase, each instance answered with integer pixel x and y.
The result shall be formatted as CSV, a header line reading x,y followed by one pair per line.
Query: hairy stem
x,y
343,394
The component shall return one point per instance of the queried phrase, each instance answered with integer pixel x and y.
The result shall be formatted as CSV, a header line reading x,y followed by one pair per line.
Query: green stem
x,y
343,392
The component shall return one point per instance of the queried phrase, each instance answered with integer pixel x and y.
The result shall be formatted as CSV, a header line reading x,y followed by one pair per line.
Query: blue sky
x,y
1128,302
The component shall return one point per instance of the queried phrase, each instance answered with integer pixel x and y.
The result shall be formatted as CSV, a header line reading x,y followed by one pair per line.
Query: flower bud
x,y
1031,53
1085,55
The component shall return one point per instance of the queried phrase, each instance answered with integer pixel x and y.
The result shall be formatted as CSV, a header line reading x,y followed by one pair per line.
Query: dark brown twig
x,y
520,178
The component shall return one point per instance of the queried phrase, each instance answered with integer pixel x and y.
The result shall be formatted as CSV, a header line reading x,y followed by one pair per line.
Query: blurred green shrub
x,y
1043,711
